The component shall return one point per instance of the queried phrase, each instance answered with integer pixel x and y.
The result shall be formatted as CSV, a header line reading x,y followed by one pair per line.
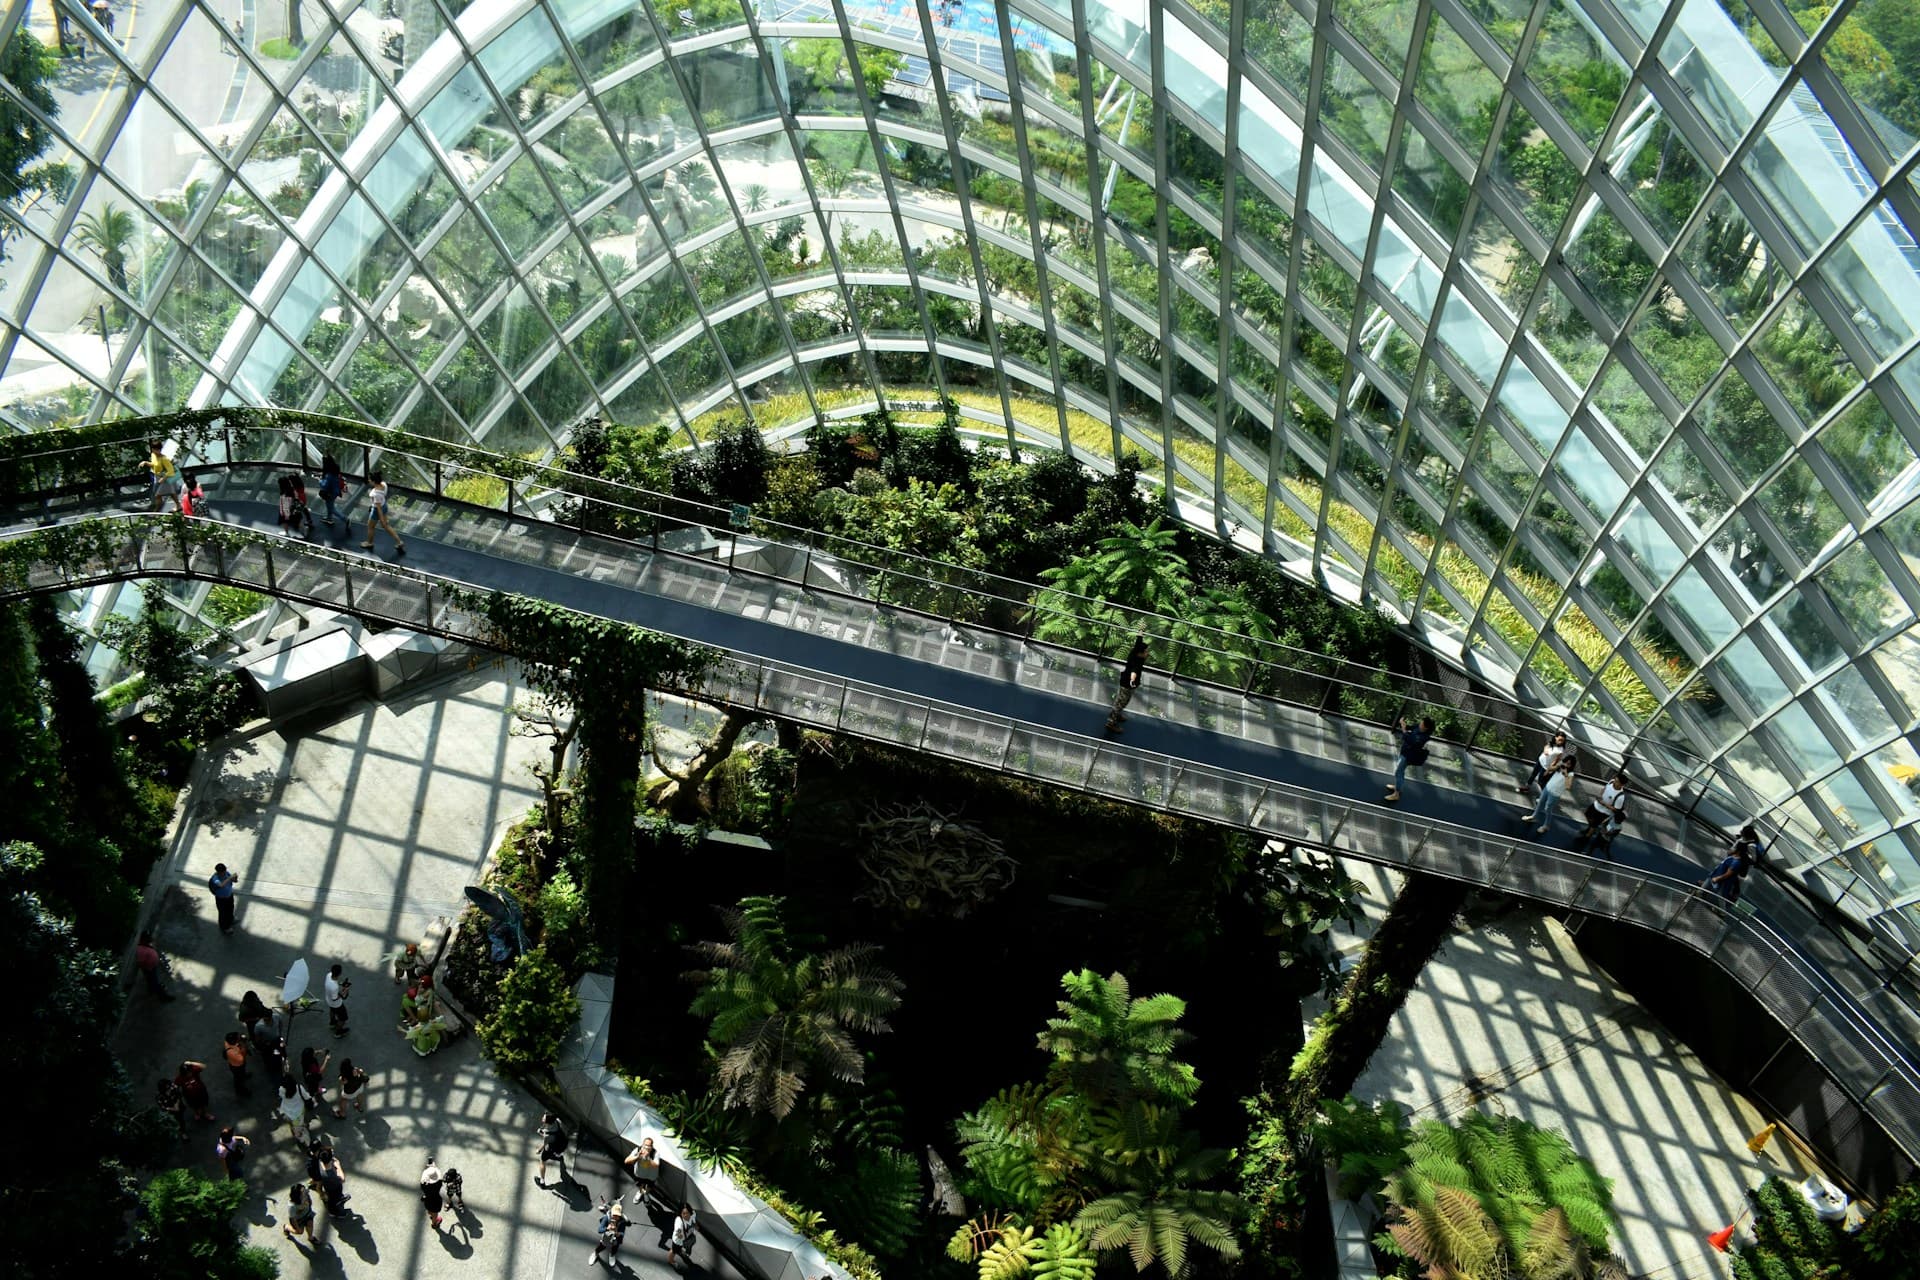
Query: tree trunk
x,y
612,739
679,795
296,34
1356,1023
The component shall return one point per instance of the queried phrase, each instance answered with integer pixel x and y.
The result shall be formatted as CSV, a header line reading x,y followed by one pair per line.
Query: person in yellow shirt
x,y
166,476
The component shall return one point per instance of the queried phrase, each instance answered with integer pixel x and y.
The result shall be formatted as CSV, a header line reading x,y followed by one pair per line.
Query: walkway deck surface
x,y
1004,702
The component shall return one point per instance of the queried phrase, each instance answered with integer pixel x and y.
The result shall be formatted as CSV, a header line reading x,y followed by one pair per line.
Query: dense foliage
x,y
1095,1157
535,1012
77,1128
186,1231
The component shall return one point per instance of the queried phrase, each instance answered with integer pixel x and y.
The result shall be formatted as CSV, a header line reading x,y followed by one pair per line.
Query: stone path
x,y
350,831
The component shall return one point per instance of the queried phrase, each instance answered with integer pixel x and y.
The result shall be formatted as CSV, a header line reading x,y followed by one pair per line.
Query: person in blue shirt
x,y
222,882
1733,868
1412,750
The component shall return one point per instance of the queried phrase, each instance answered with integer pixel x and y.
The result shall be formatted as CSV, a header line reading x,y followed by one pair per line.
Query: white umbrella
x,y
296,984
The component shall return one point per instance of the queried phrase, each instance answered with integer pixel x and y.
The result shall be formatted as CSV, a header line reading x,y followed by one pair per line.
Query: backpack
x,y
555,1137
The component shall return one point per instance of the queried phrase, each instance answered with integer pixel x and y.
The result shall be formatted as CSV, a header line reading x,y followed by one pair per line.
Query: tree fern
x,y
776,1012
1108,1045
1064,1253
876,1200
1514,1170
1025,1148
1451,1236
1158,1226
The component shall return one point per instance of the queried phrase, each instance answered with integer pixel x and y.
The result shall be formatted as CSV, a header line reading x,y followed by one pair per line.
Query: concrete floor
x,y
350,831
1510,1018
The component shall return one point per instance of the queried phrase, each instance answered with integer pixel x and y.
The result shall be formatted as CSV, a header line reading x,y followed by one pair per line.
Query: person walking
x,y
1726,878
333,486
680,1242
1130,676
232,1150
553,1146
1549,758
377,513
313,1075
235,1052
166,476
146,958
327,1171
352,1080
1606,815
168,1098
193,1087
292,1108
336,992
222,883
1558,783
431,1193
613,1230
1412,751
299,1213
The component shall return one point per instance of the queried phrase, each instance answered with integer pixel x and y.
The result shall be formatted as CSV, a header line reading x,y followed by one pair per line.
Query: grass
x,y
280,47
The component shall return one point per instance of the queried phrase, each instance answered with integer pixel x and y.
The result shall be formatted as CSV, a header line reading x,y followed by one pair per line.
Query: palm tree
x,y
108,234
755,194
1110,1046
1089,597
778,1010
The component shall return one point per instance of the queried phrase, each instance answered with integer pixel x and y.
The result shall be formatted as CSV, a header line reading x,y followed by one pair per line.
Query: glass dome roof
x,y
1578,335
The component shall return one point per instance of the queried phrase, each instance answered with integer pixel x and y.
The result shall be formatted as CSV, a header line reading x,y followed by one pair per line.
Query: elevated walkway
x,y
800,643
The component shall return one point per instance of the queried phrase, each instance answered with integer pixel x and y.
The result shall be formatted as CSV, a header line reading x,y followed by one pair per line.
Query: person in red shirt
x,y
146,957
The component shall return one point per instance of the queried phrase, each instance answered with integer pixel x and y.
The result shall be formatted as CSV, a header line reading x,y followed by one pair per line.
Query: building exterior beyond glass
x,y
1580,334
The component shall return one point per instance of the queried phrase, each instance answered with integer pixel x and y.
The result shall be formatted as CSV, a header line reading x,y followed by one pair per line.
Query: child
x,y
193,502
286,502
299,1213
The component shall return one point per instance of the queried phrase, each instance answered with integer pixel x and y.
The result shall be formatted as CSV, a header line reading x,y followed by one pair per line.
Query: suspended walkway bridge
x,y
813,633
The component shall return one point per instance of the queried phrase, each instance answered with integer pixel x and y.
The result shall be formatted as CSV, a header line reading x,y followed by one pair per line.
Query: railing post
x,y
840,716
438,469
509,499
926,722
1253,816
759,684
346,580
1333,836
273,577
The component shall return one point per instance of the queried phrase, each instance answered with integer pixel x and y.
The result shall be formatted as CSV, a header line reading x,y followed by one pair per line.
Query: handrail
x,y
1808,1003
1227,663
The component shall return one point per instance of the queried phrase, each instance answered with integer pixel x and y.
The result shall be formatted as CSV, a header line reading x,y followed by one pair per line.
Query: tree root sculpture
x,y
918,858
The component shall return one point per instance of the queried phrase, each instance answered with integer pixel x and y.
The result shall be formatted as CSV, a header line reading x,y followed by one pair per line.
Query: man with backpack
x,y
553,1146
1412,751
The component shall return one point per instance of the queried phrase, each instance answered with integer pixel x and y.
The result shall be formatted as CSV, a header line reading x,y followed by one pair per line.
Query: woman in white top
x,y
1558,783
377,513
293,1108
1550,755
1608,814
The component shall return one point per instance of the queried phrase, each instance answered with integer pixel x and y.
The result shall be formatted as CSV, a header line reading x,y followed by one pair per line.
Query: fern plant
x,y
1006,1249
778,1010
1515,1170
1160,1225
1108,1045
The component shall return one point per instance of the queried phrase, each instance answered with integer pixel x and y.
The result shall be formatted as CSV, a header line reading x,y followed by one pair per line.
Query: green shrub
x,y
1891,1238
188,1231
1365,1142
227,606
537,1009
